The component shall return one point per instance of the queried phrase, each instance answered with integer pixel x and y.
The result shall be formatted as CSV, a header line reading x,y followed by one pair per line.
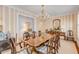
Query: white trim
x,y
22,11
3,17
9,20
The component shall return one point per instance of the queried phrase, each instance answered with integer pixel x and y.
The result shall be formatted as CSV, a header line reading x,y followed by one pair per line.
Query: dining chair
x,y
39,33
12,45
53,44
26,36
33,35
57,41
15,47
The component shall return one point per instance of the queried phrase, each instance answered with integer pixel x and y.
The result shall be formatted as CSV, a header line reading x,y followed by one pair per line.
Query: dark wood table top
x,y
38,40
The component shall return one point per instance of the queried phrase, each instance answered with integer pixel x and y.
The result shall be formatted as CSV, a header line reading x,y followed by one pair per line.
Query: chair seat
x,y
42,49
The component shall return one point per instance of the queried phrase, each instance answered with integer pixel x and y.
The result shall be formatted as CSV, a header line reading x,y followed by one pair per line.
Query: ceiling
x,y
50,9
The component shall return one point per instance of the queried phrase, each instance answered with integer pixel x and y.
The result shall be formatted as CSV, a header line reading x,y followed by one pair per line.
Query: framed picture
x,y
56,24
0,27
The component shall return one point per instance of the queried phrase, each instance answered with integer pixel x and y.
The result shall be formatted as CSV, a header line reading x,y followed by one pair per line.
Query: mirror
x,y
56,24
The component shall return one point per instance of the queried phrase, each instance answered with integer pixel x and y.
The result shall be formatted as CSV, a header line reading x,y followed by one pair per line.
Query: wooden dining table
x,y
36,42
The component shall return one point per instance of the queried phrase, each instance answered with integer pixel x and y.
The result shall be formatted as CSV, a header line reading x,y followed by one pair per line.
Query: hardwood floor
x,y
67,47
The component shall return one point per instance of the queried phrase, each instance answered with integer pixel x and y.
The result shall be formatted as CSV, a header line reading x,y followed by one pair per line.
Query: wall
x,y
1,15
68,22
48,23
77,28
9,18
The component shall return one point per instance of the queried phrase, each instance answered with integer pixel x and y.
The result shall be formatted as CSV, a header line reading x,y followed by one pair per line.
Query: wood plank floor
x,y
67,47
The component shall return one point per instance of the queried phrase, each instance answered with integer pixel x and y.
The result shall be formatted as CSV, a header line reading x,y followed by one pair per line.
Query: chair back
x,y
53,44
33,34
26,35
13,45
39,33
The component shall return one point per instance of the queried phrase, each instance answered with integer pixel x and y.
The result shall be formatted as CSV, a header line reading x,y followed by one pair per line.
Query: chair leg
x,y
20,45
54,51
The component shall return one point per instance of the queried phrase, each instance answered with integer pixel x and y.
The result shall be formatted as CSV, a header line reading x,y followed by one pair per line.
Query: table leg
x,y
34,50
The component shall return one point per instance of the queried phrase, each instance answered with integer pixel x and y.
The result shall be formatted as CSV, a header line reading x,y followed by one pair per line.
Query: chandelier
x,y
43,16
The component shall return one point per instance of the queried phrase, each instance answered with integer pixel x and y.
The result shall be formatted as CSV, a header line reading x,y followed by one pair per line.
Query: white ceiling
x,y
50,9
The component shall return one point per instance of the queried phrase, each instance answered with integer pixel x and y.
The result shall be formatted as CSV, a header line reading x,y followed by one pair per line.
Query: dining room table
x,y
37,41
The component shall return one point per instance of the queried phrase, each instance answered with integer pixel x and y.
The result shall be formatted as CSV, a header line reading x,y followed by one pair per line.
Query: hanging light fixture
x,y
43,16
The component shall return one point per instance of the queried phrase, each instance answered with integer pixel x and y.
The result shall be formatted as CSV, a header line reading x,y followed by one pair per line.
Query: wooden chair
x,y
39,33
57,41
53,44
14,46
33,35
26,36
